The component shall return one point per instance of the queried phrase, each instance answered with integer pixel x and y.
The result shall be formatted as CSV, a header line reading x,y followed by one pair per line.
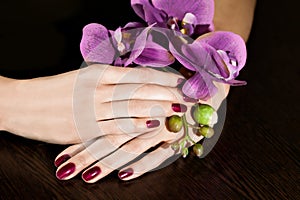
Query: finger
x,y
120,126
124,105
78,158
130,151
95,151
130,126
122,156
121,75
161,157
150,161
138,108
70,152
158,158
109,93
218,98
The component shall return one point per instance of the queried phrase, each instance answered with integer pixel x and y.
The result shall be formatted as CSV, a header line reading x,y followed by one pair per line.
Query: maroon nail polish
x,y
61,160
179,107
91,173
152,123
65,171
126,173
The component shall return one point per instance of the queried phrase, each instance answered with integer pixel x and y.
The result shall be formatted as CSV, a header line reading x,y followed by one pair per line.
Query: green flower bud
x,y
174,123
206,131
198,149
204,114
185,152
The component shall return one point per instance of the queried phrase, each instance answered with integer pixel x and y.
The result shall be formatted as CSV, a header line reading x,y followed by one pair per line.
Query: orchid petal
x,y
139,45
228,42
236,82
219,67
145,10
199,86
95,45
201,56
175,46
132,25
202,9
118,62
154,55
138,7
198,55
153,15
118,35
192,56
203,28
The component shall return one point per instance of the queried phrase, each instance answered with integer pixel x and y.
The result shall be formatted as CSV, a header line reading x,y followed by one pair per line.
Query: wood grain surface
x,y
256,157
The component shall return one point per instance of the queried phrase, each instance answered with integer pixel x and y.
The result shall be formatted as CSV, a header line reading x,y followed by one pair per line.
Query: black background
x,y
42,37
257,156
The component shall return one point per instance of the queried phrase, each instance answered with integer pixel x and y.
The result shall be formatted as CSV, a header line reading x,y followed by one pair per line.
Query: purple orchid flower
x,y
190,17
217,56
123,46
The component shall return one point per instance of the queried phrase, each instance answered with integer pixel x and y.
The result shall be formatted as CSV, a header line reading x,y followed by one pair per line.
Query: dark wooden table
x,y
256,157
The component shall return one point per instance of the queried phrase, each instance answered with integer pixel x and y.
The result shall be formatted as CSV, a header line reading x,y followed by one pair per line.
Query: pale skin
x,y
48,103
230,15
48,106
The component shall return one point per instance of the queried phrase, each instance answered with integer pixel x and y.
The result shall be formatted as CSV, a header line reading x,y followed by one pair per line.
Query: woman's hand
x,y
99,157
77,106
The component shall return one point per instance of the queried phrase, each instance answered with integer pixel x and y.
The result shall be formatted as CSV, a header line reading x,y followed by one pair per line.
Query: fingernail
x,y
65,171
188,99
61,160
91,173
179,107
126,173
152,123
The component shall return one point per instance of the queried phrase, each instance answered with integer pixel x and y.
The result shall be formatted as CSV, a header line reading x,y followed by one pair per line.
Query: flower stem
x,y
186,130
193,126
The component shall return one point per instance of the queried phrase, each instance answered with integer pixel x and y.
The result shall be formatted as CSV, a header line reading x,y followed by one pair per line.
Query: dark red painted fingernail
x,y
65,171
152,123
61,160
179,107
91,173
126,173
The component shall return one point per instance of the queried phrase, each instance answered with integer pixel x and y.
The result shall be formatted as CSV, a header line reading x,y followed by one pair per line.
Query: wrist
x,y
27,105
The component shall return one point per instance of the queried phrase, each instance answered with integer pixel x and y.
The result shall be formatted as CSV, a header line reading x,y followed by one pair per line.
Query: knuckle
x,y
145,74
81,161
133,149
127,127
159,109
147,87
114,141
136,108
135,125
139,124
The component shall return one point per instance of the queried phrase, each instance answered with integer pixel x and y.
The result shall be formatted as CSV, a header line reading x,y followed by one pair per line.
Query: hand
x,y
100,157
76,106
